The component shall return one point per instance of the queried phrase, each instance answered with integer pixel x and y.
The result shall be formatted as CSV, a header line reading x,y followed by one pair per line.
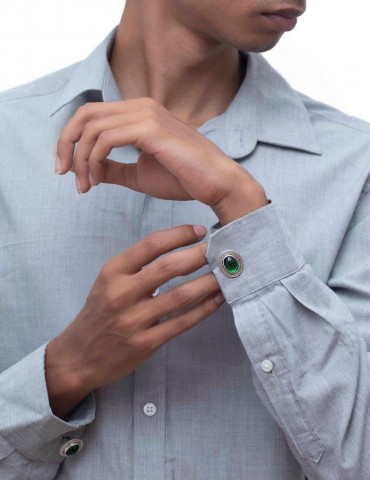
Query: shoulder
x,y
344,139
40,87
25,111
27,107
327,116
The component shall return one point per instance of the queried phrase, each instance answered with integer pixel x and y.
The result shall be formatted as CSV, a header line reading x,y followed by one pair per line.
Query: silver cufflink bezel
x,y
237,257
70,444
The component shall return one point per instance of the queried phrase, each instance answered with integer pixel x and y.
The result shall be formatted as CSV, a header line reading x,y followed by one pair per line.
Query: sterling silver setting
x,y
222,267
69,444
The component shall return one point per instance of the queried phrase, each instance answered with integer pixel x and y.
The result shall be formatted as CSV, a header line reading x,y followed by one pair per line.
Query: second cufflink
x,y
71,447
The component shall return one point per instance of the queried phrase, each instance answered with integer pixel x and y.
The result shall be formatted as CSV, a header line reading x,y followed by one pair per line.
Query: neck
x,y
156,56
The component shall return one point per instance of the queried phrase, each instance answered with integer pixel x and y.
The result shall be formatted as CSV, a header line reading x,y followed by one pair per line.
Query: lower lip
x,y
280,23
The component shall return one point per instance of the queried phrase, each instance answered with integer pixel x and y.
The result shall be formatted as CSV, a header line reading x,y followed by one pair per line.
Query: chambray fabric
x,y
302,301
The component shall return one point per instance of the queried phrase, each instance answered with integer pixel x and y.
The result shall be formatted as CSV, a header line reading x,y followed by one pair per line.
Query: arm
x,y
314,336
30,434
117,329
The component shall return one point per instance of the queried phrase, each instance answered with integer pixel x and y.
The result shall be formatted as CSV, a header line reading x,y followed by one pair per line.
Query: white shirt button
x,y
267,365
150,409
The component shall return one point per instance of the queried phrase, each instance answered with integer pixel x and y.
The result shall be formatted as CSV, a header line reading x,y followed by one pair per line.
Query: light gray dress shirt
x,y
275,384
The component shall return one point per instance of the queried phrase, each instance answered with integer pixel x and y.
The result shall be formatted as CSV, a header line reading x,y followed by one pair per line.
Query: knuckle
x,y
81,112
106,272
106,137
188,233
150,113
113,299
80,168
152,243
185,323
80,164
150,102
85,110
167,266
130,287
203,249
91,128
181,295
152,110
208,308
211,280
161,305
130,322
132,343
152,123
63,139
143,344
138,343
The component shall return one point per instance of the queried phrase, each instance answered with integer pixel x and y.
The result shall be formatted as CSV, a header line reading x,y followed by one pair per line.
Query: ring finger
x,y
175,299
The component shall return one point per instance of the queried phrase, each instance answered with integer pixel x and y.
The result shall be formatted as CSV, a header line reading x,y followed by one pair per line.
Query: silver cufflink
x,y
71,447
231,264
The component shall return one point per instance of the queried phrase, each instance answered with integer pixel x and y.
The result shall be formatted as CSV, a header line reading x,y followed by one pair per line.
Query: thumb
x,y
121,174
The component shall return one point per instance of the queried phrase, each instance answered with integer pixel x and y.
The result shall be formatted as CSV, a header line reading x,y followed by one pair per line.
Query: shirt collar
x,y
265,109
88,77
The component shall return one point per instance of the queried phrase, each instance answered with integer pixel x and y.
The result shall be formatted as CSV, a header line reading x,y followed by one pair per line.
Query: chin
x,y
261,45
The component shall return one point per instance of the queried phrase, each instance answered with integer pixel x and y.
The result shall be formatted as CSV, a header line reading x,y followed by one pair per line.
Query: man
x,y
119,357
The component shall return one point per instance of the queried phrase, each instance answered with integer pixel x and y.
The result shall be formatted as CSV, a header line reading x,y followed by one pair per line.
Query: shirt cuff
x,y
26,419
265,246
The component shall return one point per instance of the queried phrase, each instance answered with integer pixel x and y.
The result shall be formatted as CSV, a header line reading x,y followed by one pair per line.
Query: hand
x,y
119,326
176,161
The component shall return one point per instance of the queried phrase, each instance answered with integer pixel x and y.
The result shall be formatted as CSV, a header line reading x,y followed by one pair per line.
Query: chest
x,y
54,241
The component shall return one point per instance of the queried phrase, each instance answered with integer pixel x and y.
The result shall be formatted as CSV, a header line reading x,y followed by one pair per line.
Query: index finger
x,y
154,245
73,129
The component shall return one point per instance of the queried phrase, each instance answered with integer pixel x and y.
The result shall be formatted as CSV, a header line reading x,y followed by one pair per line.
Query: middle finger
x,y
80,163
172,265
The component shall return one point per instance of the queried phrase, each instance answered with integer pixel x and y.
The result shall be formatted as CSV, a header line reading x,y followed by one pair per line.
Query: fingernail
x,y
219,298
58,165
200,231
78,185
91,179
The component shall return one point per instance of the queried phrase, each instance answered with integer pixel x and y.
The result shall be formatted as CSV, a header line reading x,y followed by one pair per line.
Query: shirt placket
x,y
150,378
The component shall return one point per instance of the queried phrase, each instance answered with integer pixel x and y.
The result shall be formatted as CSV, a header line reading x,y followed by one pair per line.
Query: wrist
x,y
243,200
65,387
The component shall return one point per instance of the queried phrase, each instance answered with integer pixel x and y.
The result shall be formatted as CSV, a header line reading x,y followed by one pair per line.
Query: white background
x,y
326,56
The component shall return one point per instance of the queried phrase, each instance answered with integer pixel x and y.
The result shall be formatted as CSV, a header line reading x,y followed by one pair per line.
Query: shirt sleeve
x,y
31,436
307,341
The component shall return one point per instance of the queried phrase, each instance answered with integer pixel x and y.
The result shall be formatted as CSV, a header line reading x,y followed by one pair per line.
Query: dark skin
x,y
196,46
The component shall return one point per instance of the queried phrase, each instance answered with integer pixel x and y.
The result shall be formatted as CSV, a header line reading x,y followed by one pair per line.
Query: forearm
x,y
31,436
65,388
309,360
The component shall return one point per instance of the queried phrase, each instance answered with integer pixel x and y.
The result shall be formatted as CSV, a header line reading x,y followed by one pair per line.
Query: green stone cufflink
x,y
231,263
71,447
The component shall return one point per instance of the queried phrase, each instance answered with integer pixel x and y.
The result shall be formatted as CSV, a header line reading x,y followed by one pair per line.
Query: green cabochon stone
x,y
231,264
